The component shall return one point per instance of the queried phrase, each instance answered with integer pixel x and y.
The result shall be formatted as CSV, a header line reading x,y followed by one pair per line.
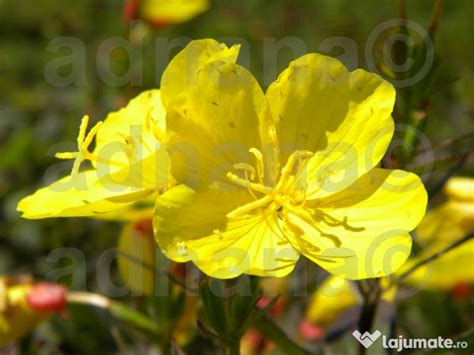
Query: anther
x,y
247,168
248,184
288,169
83,142
245,209
260,165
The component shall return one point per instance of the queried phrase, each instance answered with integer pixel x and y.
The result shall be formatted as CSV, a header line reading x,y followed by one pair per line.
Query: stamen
x,y
148,118
137,138
83,142
249,185
96,158
300,201
287,170
245,209
90,136
247,168
152,126
260,164
157,133
66,155
82,130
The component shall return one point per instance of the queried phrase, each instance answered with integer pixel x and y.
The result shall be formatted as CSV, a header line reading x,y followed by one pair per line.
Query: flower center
x,y
289,192
286,199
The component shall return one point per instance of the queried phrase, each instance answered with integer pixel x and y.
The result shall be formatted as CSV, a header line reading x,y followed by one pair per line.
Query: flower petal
x,y
440,227
82,195
460,189
445,224
344,117
214,125
445,272
183,71
137,251
332,298
171,12
193,226
370,220
130,134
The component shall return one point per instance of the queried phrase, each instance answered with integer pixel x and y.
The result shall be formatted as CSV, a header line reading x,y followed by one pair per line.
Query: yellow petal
x,y
445,224
141,210
152,173
215,125
136,255
370,220
344,117
169,12
193,226
445,272
183,71
335,296
18,318
442,226
130,134
461,189
82,195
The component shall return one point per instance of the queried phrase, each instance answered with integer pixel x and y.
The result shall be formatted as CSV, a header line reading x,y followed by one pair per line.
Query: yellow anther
x,y
83,142
260,164
249,207
66,155
137,137
148,118
288,169
82,130
151,124
90,136
248,184
247,168
158,133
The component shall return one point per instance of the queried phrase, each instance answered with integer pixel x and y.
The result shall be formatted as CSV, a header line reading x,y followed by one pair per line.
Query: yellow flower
x,y
137,254
336,296
170,12
442,226
24,305
267,176
128,164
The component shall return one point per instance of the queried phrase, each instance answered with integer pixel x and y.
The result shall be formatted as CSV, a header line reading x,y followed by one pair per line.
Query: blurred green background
x,y
38,119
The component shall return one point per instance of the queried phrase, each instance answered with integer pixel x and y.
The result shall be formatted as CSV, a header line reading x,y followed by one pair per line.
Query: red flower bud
x,y
46,297
310,331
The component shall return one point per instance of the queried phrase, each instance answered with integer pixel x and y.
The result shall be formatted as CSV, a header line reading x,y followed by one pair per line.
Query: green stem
x,y
402,10
435,256
117,309
368,312
234,348
270,330
435,18
438,185
415,120
152,268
